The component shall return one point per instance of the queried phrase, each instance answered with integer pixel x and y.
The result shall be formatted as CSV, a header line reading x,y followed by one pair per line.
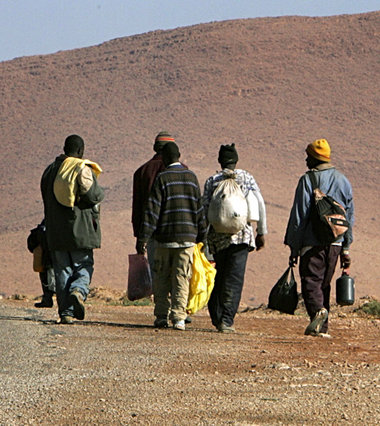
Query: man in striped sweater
x,y
174,217
143,180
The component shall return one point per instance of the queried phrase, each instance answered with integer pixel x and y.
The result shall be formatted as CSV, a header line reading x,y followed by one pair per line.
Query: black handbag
x,y
283,296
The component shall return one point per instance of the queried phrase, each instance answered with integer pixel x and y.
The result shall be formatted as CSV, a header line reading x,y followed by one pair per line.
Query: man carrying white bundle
x,y
230,246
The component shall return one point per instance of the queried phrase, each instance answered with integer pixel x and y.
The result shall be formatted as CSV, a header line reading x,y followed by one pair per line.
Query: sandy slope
x,y
270,85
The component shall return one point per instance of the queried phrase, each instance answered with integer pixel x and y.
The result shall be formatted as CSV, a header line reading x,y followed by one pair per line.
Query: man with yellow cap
x,y
318,259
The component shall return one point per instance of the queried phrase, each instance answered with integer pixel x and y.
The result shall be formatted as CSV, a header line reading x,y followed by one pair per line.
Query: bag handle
x,y
285,275
313,179
292,273
314,183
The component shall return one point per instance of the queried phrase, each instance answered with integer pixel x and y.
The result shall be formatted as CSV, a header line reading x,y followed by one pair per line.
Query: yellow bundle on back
x,y
65,184
202,281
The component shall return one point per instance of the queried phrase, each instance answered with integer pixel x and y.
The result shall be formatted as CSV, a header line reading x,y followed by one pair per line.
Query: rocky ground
x,y
115,368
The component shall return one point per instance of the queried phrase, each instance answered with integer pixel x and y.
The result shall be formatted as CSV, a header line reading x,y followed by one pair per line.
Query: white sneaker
x,y
324,335
179,325
315,334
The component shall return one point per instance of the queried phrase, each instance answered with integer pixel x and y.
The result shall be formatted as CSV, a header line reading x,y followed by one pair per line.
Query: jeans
x,y
73,271
230,266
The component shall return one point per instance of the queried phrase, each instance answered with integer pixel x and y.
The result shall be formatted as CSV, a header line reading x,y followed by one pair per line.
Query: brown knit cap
x,y
161,139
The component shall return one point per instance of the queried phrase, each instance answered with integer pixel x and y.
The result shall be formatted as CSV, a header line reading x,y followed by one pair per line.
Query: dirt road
x,y
115,368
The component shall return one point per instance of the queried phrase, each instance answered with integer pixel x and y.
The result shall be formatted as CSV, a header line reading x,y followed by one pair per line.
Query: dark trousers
x,y
317,268
225,297
47,279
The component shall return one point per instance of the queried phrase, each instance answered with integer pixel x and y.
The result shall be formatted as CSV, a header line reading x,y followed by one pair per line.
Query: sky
x,y
37,27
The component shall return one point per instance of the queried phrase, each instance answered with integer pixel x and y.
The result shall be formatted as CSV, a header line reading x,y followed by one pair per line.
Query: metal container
x,y
345,290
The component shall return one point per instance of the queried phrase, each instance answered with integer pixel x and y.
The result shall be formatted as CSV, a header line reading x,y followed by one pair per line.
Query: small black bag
x,y
283,296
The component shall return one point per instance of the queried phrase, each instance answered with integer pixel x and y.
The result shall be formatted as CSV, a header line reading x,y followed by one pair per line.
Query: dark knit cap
x,y
161,139
170,151
228,154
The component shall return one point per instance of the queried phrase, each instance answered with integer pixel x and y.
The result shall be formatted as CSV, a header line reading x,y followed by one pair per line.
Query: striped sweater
x,y
174,211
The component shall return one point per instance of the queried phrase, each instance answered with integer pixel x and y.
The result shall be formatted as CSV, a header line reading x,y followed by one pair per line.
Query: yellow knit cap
x,y
319,149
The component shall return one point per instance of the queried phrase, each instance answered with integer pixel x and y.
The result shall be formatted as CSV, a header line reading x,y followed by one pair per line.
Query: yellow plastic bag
x,y
202,281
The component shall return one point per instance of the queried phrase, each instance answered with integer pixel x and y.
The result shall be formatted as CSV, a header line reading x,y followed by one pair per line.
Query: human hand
x,y
345,261
140,247
293,260
260,242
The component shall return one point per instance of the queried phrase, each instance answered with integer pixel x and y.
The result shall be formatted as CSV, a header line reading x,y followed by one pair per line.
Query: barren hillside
x,y
270,85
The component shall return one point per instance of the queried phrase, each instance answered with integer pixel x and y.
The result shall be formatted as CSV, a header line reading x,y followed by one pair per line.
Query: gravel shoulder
x,y
115,368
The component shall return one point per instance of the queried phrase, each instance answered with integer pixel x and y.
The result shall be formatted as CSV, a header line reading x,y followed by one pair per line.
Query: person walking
x,y
230,251
37,237
143,180
71,196
318,260
174,218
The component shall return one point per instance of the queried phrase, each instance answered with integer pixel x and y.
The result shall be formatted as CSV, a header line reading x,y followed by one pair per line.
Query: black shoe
x,y
161,323
46,302
223,328
76,299
188,320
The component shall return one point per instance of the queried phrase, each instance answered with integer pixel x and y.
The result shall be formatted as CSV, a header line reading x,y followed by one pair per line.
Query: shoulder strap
x,y
313,179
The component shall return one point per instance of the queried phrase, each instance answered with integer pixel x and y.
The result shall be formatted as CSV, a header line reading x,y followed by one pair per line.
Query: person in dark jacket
x,y
318,261
174,218
72,225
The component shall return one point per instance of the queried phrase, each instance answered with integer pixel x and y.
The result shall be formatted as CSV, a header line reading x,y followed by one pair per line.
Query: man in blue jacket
x,y
318,261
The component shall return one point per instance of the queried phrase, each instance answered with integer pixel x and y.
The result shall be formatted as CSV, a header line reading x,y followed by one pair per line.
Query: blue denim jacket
x,y
299,232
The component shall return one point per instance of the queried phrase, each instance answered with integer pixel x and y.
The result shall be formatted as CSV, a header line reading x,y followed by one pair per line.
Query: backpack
x,y
328,217
37,244
228,210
